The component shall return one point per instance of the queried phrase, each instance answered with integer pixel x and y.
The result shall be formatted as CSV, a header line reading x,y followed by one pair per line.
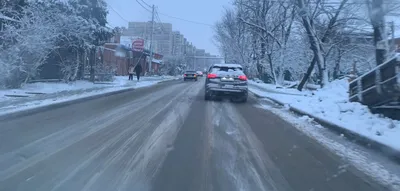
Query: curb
x,y
31,111
390,152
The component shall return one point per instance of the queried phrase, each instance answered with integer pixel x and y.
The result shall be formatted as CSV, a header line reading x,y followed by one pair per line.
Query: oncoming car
x,y
226,81
190,75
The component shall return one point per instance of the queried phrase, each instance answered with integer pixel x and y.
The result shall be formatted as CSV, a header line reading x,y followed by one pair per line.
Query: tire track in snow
x,y
153,150
238,156
28,155
119,163
123,136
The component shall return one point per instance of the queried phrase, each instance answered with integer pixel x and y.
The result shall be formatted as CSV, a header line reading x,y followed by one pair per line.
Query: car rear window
x,y
216,69
190,72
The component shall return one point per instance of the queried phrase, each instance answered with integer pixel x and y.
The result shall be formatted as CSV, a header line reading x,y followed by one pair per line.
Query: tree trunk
x,y
378,24
92,63
272,68
81,72
315,43
379,52
77,65
307,74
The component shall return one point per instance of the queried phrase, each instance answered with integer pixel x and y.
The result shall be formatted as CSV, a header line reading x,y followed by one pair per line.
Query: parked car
x,y
226,81
199,73
190,75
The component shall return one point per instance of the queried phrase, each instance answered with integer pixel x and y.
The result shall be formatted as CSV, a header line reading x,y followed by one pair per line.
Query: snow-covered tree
x,y
26,44
95,13
295,40
174,66
49,32
233,40
377,11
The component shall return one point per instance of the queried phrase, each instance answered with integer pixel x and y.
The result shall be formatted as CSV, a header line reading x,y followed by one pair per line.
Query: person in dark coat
x,y
138,70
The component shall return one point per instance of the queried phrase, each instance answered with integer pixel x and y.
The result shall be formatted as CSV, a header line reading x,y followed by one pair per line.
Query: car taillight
x,y
243,78
184,75
211,76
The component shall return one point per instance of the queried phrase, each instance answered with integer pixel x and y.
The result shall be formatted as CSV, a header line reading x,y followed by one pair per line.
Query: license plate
x,y
228,86
227,79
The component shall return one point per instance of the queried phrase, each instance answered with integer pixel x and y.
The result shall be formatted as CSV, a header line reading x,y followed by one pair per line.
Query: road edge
x,y
29,111
388,151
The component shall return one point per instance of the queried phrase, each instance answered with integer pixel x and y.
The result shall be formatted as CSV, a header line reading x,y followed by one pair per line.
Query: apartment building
x,y
162,34
184,46
177,43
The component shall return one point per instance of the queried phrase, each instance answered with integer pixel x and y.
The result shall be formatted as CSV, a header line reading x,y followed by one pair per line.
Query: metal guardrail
x,y
379,87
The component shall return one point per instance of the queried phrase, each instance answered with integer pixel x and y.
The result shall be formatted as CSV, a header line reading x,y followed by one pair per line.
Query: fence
x,y
380,87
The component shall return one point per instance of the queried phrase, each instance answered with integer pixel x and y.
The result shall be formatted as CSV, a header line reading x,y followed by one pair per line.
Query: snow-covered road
x,y
167,138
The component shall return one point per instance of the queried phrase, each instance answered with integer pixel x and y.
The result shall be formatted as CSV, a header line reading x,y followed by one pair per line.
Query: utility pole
x,y
393,44
204,59
378,24
151,38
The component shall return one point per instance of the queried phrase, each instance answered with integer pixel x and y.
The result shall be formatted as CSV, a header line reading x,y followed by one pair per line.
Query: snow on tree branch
x,y
56,32
283,40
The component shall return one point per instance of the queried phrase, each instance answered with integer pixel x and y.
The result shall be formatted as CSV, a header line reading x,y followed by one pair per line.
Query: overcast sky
x,y
203,11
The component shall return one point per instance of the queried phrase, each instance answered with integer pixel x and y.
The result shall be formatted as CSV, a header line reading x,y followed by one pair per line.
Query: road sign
x,y
138,44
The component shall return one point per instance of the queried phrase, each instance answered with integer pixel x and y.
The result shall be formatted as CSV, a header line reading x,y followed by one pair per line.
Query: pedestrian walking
x,y
138,70
131,70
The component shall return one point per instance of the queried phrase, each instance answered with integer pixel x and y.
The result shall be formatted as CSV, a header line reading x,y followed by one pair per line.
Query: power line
x,y
110,25
159,20
158,13
118,13
146,3
143,6
195,22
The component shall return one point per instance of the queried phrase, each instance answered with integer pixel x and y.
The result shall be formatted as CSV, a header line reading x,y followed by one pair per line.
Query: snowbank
x,y
59,87
29,90
276,89
331,104
46,93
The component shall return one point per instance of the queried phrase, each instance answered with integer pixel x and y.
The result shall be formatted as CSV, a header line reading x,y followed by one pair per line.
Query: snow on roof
x,y
157,61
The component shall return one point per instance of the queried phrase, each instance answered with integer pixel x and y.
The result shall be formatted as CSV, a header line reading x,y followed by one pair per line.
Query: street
x,y
167,138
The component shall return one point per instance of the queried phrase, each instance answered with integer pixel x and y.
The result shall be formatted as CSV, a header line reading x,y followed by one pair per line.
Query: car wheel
x,y
207,97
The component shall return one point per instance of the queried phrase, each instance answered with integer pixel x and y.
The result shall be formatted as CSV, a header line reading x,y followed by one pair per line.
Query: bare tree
x,y
319,40
41,29
281,37
232,37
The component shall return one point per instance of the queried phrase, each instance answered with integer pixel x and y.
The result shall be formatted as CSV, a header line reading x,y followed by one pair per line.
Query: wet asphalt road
x,y
166,138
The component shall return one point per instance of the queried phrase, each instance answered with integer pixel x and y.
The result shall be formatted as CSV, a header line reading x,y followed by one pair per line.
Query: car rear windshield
x,y
190,72
217,69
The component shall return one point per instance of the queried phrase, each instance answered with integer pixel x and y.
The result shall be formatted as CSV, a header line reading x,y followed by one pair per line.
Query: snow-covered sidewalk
x,y
331,104
45,93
